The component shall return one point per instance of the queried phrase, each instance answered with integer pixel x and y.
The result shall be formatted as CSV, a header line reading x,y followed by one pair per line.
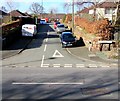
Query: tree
x,y
3,9
67,6
117,18
53,12
36,8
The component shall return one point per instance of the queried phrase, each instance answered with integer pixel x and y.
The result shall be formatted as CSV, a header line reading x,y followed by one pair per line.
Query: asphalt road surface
x,y
45,70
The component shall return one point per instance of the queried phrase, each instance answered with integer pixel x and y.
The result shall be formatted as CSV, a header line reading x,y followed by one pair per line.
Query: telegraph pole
x,y
73,16
42,10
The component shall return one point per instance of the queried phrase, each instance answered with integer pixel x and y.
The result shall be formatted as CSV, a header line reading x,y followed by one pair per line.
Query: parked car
x,y
55,24
68,39
29,30
42,21
60,28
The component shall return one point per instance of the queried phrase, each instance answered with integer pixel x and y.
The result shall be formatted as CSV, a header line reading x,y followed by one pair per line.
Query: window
x,y
109,10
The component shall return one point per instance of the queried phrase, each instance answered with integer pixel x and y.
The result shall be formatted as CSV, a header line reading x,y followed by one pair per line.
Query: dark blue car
x,y
67,39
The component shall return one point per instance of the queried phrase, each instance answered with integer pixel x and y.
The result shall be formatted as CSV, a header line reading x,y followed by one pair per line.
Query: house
x,y
16,14
2,13
103,10
4,17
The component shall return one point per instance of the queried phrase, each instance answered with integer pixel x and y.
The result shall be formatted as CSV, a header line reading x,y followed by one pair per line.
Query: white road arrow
x,y
57,54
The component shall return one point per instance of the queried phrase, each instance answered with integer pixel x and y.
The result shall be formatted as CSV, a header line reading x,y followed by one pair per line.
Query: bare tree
x,y
3,9
53,10
67,6
117,17
36,8
10,5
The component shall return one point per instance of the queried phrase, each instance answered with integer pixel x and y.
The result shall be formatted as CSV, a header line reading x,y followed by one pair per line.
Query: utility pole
x,y
42,10
73,16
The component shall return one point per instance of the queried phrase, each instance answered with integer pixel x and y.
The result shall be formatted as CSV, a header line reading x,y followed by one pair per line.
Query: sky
x,y
23,5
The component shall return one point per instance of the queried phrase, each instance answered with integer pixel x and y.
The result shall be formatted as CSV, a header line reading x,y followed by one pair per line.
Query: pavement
x,y
84,54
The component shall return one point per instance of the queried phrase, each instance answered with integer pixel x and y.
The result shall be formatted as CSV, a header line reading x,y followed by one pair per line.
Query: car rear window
x,y
57,23
42,20
66,36
61,26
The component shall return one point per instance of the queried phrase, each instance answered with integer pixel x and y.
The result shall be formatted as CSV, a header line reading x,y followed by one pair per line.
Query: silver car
x,y
60,28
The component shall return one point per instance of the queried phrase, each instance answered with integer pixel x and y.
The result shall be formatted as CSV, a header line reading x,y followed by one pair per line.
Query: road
x,y
45,70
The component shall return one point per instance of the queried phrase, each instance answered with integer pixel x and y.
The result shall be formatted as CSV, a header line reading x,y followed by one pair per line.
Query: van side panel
x,y
29,30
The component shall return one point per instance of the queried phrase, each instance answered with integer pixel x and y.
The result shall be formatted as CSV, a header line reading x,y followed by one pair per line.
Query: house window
x,y
109,10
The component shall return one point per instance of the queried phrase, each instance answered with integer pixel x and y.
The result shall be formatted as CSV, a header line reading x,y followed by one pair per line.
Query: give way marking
x,y
57,54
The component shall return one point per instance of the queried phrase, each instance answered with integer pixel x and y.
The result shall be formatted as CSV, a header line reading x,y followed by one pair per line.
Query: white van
x,y
29,30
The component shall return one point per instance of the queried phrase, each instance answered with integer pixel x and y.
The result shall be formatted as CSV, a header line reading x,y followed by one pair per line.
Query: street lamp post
x,y
73,16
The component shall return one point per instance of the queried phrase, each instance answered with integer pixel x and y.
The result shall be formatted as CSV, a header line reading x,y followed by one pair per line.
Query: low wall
x,y
10,33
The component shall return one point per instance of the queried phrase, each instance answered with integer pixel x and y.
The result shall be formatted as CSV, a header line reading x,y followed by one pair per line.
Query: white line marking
x,y
91,55
48,32
46,40
45,65
105,66
42,61
47,83
69,51
68,65
92,65
56,65
80,65
57,54
45,48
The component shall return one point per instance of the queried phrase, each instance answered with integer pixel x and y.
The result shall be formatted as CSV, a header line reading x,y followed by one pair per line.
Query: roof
x,y
66,32
3,13
106,5
85,10
17,13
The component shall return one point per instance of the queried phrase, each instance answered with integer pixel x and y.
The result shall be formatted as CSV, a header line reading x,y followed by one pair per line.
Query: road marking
x,y
45,65
45,48
57,54
91,55
46,40
56,65
92,65
48,32
114,64
105,66
80,65
69,51
42,61
68,65
47,83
